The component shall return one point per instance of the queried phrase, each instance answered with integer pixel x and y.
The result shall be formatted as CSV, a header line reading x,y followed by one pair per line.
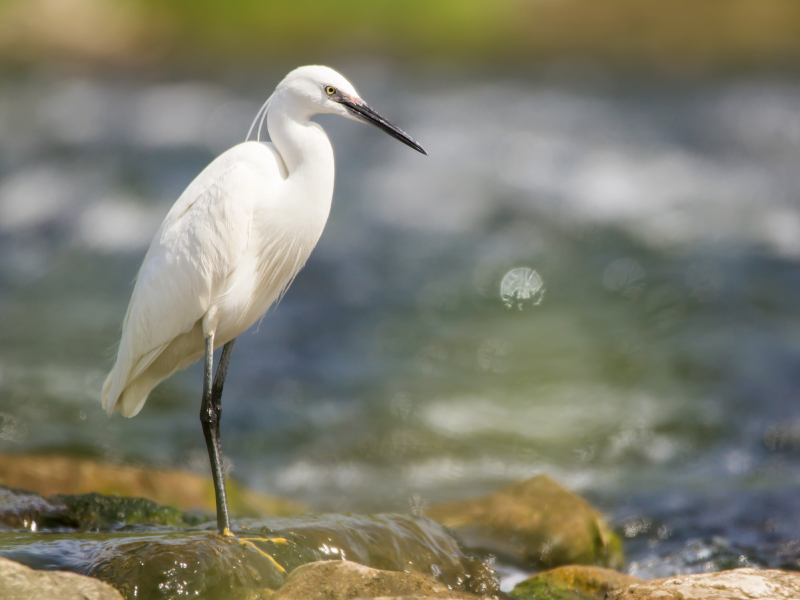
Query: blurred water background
x,y
593,275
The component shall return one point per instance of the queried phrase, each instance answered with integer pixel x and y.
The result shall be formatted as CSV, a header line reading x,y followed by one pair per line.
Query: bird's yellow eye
x,y
330,90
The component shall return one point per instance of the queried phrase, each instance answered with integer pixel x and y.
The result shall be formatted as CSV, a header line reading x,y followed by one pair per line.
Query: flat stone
x,y
575,582
345,580
18,582
536,523
48,475
739,584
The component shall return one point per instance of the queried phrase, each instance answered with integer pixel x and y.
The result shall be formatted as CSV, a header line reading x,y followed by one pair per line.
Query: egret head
x,y
320,89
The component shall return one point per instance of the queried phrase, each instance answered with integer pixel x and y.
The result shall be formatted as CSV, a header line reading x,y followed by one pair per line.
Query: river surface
x,y
593,276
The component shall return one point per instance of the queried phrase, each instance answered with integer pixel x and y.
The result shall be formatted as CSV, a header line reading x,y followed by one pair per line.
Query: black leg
x,y
219,378
210,413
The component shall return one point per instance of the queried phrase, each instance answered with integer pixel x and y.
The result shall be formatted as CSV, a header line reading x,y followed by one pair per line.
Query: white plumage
x,y
230,246
232,242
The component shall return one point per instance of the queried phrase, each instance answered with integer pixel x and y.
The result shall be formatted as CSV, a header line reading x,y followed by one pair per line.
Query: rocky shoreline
x,y
58,539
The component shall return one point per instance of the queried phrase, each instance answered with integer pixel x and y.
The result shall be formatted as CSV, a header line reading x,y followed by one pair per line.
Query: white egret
x,y
229,248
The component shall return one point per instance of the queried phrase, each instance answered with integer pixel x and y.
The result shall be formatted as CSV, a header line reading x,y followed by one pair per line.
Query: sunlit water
x,y
589,277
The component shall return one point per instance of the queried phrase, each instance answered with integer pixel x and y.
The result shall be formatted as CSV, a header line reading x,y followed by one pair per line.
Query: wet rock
x,y
344,580
87,512
575,582
102,513
161,562
201,565
388,542
18,582
535,523
49,475
739,584
22,510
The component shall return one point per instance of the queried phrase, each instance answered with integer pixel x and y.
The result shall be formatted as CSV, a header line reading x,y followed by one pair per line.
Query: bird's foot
x,y
249,542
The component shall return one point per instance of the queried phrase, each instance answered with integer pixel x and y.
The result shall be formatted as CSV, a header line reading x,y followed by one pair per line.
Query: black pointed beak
x,y
363,112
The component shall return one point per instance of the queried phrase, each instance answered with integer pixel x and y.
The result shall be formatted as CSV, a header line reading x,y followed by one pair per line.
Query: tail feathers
x,y
127,387
130,383
132,398
135,395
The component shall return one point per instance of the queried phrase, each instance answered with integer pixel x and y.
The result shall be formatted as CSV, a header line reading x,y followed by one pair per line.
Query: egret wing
x,y
193,253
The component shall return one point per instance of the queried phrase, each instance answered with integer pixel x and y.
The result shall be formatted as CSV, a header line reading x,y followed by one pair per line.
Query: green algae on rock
x,y
389,542
535,523
20,509
207,565
204,565
96,512
575,582
88,535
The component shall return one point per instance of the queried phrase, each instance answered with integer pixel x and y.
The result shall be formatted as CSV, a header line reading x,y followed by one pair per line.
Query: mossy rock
x,y
575,582
388,542
198,565
102,513
534,523
114,539
20,509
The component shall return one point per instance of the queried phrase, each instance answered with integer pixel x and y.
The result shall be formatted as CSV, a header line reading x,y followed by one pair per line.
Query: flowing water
x,y
593,276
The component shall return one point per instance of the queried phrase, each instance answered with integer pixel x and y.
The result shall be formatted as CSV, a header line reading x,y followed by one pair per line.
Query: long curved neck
x,y
308,156
301,143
